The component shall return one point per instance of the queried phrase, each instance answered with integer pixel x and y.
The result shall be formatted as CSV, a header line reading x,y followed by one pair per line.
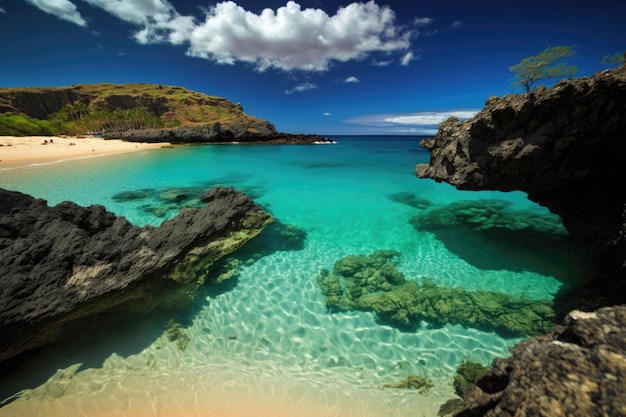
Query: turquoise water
x,y
268,336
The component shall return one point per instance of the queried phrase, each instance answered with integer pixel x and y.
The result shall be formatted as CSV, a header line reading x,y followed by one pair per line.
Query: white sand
x,y
22,151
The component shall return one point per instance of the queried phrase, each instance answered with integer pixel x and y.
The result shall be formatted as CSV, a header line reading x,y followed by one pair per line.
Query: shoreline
x,y
17,152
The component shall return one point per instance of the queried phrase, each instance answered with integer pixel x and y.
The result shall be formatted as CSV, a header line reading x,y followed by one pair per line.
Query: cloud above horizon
x,y
407,58
456,25
288,38
418,123
63,9
351,79
301,88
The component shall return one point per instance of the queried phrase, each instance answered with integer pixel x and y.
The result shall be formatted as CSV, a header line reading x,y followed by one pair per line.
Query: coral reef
x,y
488,214
373,283
490,235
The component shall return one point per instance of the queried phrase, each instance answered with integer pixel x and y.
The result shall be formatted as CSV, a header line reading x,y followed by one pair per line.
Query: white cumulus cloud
x,y
407,58
301,88
328,114
417,123
428,118
288,38
295,38
351,79
382,63
63,9
422,21
456,25
159,20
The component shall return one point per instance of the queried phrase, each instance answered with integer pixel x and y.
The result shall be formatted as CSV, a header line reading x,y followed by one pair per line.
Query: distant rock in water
x,y
232,134
66,263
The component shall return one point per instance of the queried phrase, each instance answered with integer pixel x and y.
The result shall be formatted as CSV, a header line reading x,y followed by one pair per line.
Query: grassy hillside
x,y
113,107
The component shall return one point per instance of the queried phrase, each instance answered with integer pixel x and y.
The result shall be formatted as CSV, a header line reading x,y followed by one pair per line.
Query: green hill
x,y
123,110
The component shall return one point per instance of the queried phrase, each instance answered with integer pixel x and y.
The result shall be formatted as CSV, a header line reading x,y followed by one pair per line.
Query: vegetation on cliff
x,y
549,64
117,108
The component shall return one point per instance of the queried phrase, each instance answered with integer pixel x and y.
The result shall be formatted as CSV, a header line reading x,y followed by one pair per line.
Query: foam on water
x,y
266,344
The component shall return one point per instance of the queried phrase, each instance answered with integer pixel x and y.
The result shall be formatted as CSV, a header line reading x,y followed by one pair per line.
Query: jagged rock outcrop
x,y
261,132
579,370
565,147
65,263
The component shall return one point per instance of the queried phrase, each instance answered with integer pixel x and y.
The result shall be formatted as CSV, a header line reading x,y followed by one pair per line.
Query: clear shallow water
x,y
266,343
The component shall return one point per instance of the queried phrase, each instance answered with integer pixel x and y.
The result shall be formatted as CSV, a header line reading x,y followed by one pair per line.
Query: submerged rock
x,y
373,283
486,215
466,376
416,382
66,263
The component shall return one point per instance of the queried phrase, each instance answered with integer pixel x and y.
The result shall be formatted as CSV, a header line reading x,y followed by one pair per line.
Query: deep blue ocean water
x,y
268,337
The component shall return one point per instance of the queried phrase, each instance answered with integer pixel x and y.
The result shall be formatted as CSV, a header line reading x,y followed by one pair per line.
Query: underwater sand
x,y
265,343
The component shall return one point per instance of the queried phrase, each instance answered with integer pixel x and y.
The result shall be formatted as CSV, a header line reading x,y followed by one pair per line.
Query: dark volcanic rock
x,y
579,370
563,146
258,132
64,263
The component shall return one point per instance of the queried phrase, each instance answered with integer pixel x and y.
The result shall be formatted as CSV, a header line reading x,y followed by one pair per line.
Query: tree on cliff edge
x,y
547,65
616,59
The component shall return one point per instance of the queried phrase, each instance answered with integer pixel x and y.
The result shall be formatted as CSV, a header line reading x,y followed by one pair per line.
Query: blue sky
x,y
308,66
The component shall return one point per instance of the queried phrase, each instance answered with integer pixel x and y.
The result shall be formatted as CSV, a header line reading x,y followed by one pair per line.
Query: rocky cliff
x,y
66,263
565,147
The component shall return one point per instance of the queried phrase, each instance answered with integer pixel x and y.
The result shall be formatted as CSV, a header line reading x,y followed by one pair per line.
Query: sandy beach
x,y
22,151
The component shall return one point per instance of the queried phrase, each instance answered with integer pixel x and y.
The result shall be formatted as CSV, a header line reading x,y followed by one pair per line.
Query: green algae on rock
x,y
466,376
175,332
488,214
419,383
491,235
373,283
168,201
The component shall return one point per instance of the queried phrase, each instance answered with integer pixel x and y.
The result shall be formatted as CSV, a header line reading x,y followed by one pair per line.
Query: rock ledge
x,y
66,263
